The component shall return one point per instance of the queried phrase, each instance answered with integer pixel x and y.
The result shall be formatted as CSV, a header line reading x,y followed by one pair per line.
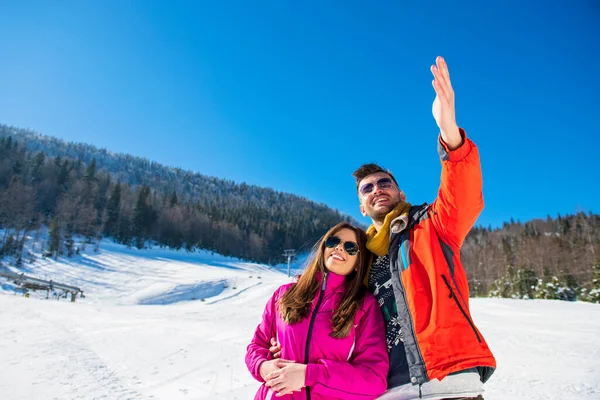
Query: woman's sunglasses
x,y
350,247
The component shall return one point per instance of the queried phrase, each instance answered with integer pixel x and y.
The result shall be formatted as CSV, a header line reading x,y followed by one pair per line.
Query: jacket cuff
x,y
457,154
257,374
313,372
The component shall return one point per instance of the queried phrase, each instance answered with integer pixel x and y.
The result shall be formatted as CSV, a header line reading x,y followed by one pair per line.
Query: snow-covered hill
x,y
161,324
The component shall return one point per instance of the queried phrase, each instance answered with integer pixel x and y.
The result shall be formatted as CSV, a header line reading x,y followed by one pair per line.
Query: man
x,y
436,351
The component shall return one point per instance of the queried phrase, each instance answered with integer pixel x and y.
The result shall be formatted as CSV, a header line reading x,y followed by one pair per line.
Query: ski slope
x,y
161,324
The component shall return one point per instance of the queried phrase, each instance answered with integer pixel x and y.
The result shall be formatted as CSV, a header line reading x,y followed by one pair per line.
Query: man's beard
x,y
379,215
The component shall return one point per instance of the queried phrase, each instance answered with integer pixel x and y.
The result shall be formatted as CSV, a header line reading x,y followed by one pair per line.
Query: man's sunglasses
x,y
350,247
383,183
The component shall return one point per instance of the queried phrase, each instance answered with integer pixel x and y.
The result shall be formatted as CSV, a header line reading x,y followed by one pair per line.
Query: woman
x,y
330,329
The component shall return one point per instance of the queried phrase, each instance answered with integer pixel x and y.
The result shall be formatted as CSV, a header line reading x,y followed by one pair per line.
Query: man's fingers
x,y
444,76
282,363
274,344
443,67
275,347
275,351
439,84
438,90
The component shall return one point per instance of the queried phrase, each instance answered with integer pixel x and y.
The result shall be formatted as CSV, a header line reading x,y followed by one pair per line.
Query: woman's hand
x,y
287,378
270,366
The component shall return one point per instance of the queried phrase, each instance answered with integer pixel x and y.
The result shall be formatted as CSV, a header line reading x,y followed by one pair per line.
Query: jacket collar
x,y
334,281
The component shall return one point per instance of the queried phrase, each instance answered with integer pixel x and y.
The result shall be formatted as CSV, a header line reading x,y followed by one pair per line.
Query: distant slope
x,y
113,273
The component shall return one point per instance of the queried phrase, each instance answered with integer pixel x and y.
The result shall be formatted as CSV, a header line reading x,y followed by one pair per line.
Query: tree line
x,y
72,197
552,258
77,189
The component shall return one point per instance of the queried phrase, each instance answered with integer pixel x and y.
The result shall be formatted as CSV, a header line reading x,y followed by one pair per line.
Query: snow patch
x,y
164,293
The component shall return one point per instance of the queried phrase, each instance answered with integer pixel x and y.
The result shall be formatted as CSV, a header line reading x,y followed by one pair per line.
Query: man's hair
x,y
369,169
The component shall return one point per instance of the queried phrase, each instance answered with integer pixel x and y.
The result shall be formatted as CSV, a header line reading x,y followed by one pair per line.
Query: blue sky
x,y
296,95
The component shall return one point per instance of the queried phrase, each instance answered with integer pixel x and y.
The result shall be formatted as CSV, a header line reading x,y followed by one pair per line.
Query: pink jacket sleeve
x,y
257,351
364,375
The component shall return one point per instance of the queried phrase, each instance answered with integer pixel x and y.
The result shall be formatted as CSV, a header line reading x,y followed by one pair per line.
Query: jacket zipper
x,y
310,328
460,307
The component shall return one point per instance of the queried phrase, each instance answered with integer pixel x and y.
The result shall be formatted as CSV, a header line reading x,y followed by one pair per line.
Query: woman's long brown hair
x,y
295,304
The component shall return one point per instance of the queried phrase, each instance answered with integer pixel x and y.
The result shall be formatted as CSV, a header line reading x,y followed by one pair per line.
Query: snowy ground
x,y
139,335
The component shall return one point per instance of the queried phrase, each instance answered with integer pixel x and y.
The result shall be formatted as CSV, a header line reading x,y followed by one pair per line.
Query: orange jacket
x,y
432,293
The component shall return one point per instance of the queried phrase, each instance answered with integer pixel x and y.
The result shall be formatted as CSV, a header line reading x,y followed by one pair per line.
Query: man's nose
x,y
377,189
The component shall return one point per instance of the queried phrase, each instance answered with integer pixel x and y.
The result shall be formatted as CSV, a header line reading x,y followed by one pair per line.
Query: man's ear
x,y
362,211
402,196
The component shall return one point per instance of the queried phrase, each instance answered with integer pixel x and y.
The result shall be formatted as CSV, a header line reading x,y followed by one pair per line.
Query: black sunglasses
x,y
350,247
383,183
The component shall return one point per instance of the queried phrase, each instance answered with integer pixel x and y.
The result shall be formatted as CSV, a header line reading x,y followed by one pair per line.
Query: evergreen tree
x,y
594,294
101,198
19,260
90,172
173,201
36,170
143,216
70,246
8,144
54,238
17,167
63,176
557,289
113,210
527,284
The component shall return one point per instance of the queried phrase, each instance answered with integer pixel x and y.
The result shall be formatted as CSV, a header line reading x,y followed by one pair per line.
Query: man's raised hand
x,y
443,105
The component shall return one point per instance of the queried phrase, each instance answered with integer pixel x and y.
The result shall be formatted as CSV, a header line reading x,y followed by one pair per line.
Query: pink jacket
x,y
354,367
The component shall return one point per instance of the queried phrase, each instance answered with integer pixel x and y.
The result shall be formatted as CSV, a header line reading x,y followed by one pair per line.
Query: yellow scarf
x,y
379,242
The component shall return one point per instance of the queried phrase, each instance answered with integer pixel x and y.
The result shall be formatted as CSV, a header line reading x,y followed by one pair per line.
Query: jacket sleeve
x,y
364,375
257,351
460,199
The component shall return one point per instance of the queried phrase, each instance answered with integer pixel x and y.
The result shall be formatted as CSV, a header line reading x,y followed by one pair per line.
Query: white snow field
x,y
159,324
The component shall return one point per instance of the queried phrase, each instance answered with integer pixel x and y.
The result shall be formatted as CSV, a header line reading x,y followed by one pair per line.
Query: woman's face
x,y
337,259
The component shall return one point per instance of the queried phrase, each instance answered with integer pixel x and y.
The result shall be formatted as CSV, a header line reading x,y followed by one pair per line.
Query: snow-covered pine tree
x,y
594,294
